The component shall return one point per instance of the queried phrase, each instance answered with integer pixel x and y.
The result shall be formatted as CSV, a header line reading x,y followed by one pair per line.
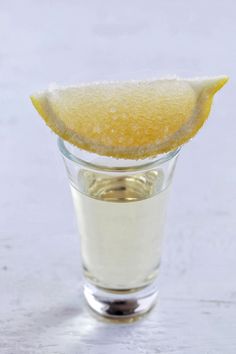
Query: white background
x,y
41,307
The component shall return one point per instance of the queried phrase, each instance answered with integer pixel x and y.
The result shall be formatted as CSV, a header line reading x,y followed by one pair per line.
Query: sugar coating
x,y
129,119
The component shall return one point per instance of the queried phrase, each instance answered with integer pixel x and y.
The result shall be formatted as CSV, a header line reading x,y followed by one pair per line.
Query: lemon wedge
x,y
133,119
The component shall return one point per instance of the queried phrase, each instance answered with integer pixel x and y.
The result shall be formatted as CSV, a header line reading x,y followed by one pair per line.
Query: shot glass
x,y
120,206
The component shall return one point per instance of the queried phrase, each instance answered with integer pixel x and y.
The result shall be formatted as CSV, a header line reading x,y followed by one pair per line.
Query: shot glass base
x,y
120,306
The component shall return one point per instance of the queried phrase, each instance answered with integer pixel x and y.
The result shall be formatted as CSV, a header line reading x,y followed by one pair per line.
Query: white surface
x,y
41,308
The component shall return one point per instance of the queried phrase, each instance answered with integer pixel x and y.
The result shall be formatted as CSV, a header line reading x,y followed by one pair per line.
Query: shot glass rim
x,y
148,163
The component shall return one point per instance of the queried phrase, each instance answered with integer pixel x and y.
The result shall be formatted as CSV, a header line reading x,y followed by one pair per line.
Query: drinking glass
x,y
120,206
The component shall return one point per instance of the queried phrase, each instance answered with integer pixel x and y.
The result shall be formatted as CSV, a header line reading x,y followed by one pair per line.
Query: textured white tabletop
x,y
41,307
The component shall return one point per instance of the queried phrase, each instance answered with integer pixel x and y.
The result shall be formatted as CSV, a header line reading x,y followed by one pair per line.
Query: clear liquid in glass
x,y
121,220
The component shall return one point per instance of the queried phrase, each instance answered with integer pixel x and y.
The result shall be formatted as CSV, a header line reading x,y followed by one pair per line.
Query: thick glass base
x,y
120,305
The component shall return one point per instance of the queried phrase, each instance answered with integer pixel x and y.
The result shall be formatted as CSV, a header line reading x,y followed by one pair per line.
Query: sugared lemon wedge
x,y
132,120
